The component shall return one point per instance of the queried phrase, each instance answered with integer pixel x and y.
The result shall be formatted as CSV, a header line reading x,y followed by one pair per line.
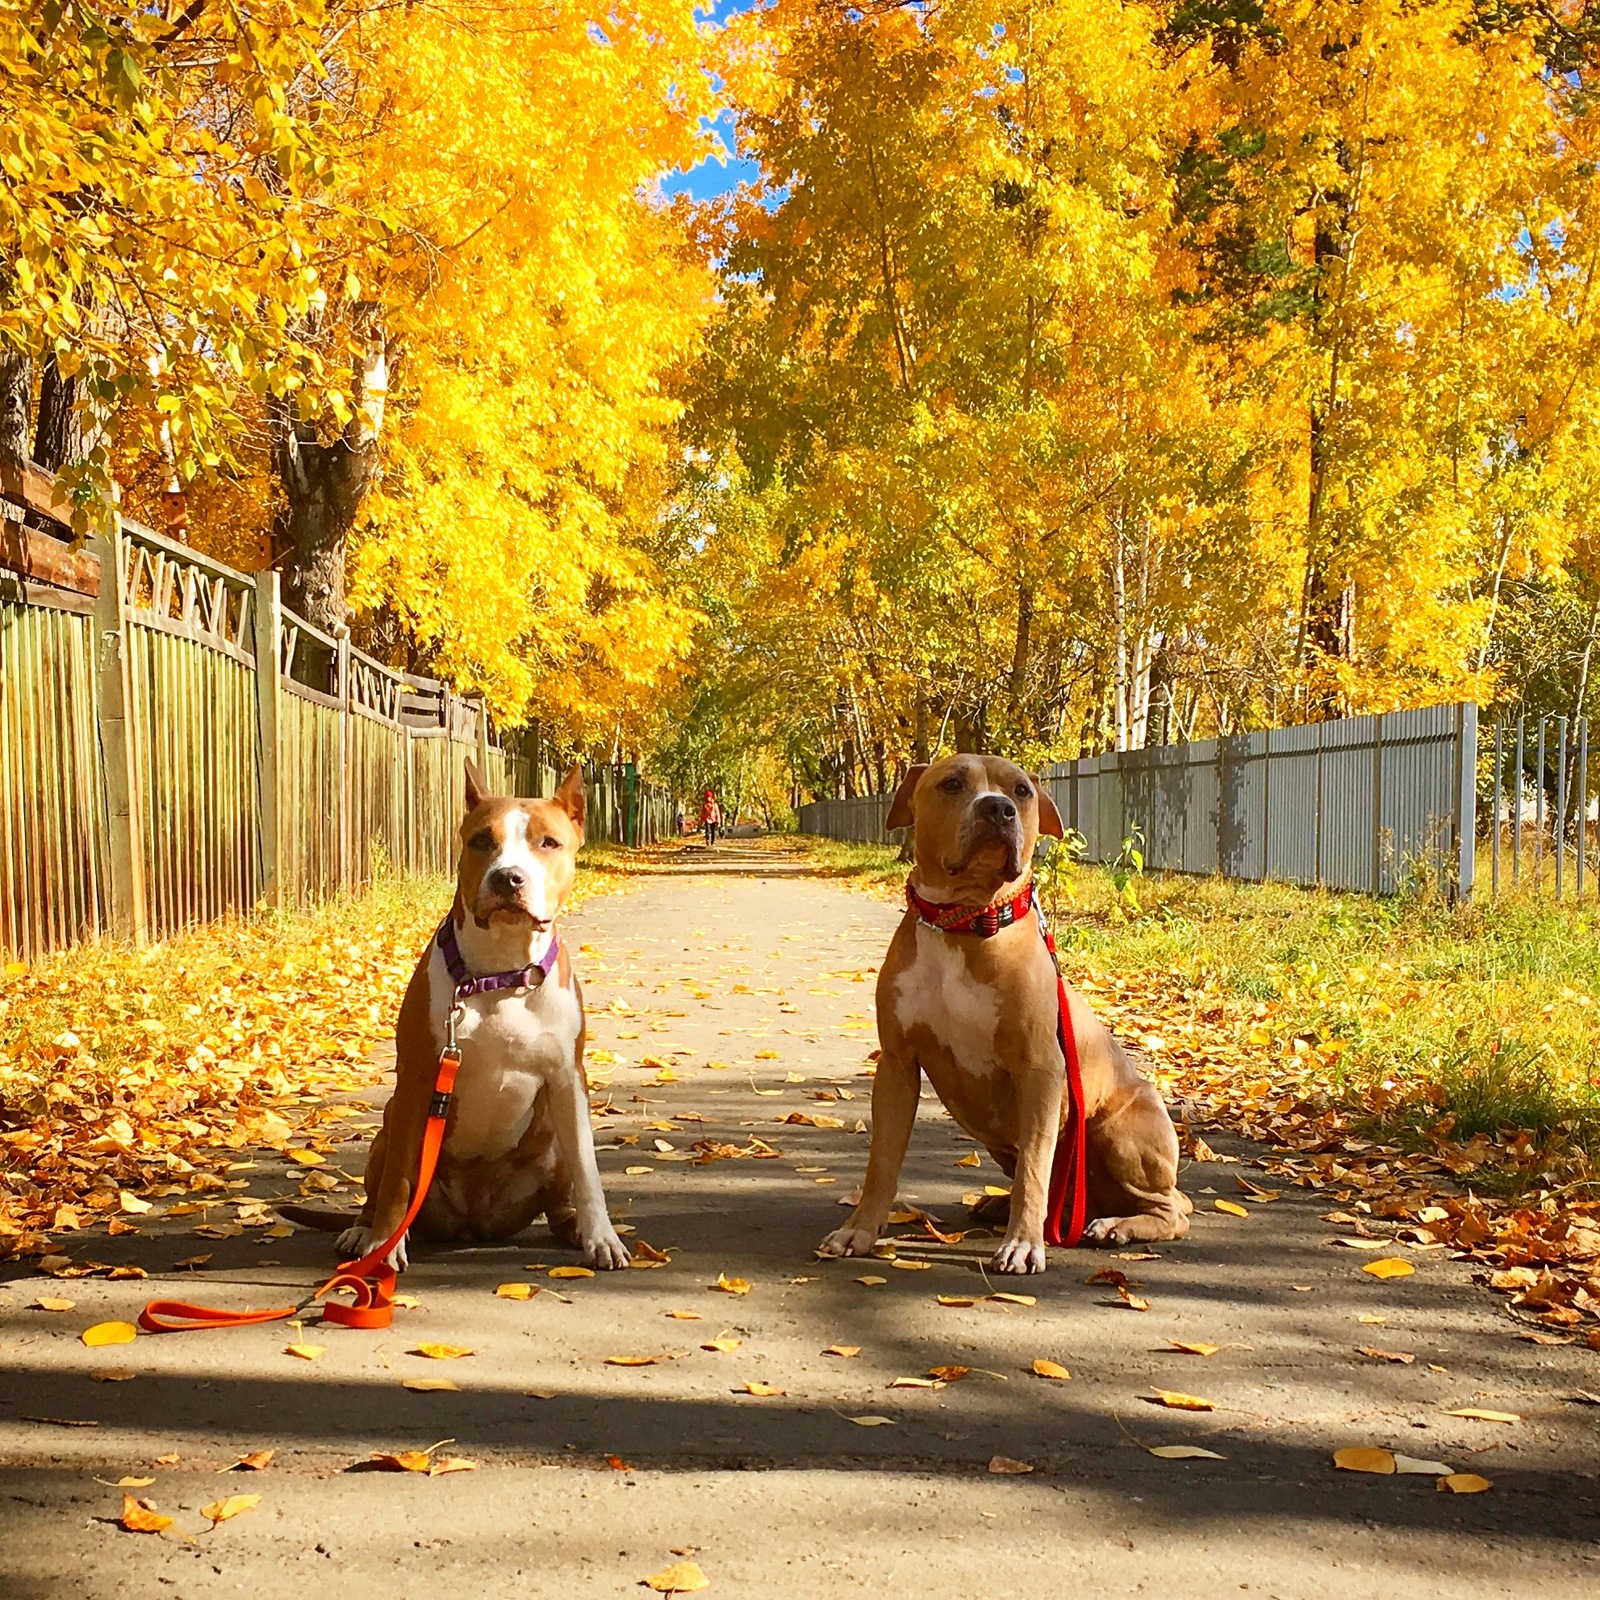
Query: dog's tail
x,y
327,1221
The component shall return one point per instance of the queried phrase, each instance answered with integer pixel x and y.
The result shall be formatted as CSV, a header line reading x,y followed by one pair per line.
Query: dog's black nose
x,y
997,808
508,880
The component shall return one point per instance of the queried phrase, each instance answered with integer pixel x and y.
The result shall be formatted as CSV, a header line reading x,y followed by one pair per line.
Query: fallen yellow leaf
x,y
872,1422
1006,1467
631,1361
1013,1299
1051,1369
686,1316
1462,1483
1182,1402
431,1385
682,1577
1364,1458
223,1510
256,1461
571,1272
731,1285
442,1352
971,1159
1478,1414
917,1383
306,1352
307,1158
725,1342
1194,1349
638,1172
137,1517
516,1291
113,1374
53,1302
104,1333
765,1390
1184,1452
1389,1267
869,1280
1232,1207
949,1374
955,1300
845,1350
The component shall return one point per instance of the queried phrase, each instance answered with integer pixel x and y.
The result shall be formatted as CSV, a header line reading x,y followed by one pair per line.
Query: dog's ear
x,y
900,814
477,789
1049,817
572,797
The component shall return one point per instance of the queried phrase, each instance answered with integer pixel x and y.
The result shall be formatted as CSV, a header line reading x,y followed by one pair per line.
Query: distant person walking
x,y
711,818
678,821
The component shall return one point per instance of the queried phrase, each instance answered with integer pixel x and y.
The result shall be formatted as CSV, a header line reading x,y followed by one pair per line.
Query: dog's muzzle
x,y
996,821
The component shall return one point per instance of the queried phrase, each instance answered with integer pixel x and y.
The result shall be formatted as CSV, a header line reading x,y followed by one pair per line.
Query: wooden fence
x,y
176,747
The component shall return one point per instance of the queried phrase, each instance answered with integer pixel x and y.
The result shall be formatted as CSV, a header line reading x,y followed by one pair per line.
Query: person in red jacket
x,y
711,817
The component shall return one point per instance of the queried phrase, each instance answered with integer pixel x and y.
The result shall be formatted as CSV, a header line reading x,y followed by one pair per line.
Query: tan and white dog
x,y
978,1015
518,1141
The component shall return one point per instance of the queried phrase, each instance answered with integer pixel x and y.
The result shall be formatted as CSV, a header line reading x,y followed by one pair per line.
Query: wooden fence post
x,y
341,688
1466,797
483,743
124,811
268,632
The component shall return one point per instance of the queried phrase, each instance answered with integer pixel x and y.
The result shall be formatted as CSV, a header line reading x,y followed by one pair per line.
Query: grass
x,y
1474,1020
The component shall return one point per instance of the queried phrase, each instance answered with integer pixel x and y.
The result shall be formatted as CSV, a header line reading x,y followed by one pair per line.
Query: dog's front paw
x,y
604,1251
355,1242
849,1242
1107,1230
1019,1255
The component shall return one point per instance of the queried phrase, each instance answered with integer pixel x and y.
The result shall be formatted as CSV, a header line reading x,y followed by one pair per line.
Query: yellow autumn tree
x,y
537,295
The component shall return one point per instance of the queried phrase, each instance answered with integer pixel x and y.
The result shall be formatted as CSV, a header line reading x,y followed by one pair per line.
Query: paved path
x,y
752,983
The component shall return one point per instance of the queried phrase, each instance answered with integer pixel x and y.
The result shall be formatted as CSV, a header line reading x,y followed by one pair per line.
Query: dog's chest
x,y
512,1045
938,992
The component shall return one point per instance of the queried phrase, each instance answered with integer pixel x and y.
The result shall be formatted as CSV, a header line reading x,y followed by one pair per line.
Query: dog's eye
x,y
1023,790
549,842
952,785
481,840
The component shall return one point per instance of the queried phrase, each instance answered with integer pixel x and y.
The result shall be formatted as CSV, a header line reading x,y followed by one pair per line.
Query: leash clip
x,y
458,1008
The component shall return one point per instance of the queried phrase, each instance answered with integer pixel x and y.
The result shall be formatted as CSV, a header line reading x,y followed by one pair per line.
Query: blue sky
x,y
714,177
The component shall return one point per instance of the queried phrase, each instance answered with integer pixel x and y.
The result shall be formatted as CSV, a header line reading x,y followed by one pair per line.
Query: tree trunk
x,y
324,483
16,401
58,436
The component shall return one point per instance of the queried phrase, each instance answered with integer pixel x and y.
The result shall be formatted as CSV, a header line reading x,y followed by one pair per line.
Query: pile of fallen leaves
x,y
128,1076
1217,1066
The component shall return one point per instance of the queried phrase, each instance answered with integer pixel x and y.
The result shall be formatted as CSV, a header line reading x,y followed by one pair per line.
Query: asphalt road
x,y
751,982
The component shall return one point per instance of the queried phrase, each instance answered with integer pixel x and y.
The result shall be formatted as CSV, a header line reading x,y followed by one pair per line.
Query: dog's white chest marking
x,y
938,993
512,1046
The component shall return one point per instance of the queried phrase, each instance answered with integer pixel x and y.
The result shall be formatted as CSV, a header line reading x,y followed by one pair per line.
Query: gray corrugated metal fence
x,y
1362,803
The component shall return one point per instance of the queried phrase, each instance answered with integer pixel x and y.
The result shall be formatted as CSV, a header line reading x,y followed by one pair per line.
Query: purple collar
x,y
466,984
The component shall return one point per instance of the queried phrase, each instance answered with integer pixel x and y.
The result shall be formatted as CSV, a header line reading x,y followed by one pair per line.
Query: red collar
x,y
985,921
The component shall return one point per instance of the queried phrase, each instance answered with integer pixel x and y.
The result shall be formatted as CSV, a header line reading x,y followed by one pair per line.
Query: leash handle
x,y
371,1279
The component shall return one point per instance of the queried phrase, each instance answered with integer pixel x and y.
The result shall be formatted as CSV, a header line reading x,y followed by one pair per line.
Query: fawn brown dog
x,y
979,1015
518,1141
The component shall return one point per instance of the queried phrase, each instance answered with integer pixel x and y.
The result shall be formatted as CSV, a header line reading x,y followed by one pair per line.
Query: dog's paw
x,y
355,1242
604,1251
1107,1230
1019,1255
848,1242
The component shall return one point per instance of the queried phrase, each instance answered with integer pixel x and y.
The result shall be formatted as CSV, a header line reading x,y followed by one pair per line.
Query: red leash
x,y
1069,1200
371,1279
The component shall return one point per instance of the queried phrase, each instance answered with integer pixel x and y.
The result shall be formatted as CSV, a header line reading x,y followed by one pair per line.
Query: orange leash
x,y
371,1279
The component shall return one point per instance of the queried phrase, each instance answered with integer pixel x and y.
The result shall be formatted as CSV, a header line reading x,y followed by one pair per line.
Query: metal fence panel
x,y
1362,803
